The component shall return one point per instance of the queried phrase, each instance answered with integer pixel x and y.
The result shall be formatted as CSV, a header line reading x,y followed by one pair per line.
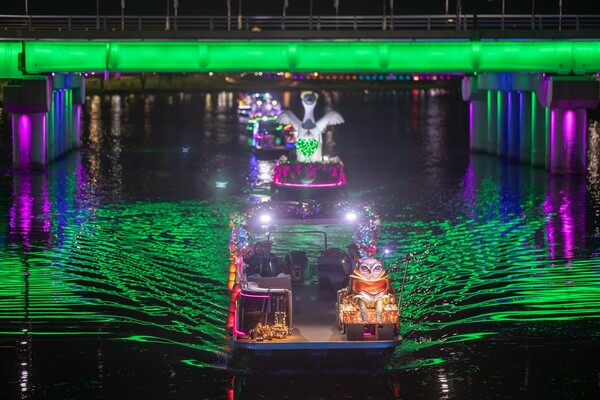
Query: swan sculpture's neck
x,y
309,112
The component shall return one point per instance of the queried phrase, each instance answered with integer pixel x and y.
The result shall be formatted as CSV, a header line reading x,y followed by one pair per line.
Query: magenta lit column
x,y
567,141
29,140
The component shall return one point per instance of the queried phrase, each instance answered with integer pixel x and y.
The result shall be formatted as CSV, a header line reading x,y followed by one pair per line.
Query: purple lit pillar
x,y
59,122
526,113
492,122
29,140
502,123
513,124
477,99
567,141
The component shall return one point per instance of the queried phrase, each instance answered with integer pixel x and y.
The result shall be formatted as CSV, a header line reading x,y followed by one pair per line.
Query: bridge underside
x,y
523,102
577,57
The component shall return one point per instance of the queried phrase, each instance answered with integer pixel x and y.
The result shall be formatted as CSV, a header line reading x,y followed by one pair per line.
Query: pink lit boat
x,y
308,179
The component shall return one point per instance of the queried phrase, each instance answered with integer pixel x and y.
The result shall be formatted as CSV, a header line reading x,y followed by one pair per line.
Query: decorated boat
x,y
298,299
258,104
309,168
270,138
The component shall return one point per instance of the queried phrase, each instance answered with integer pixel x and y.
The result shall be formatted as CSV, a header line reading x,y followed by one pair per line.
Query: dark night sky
x,y
296,7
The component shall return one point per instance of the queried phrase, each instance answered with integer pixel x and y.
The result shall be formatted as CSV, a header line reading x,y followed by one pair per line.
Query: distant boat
x,y
258,104
270,138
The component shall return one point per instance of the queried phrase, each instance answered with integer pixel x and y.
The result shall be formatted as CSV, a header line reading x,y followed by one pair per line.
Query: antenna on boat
x,y
407,258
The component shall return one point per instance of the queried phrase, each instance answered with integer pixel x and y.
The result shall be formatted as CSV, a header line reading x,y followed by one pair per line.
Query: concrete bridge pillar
x,y
540,128
28,103
513,124
537,119
568,99
502,123
492,122
525,136
29,140
45,114
478,99
568,141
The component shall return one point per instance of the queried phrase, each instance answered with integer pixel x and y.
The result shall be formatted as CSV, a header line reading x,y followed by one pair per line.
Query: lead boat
x,y
323,309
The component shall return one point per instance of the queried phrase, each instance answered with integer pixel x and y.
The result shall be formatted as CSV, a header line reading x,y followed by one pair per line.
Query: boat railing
x,y
271,234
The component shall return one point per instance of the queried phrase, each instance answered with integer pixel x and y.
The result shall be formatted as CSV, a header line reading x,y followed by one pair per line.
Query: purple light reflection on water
x,y
469,191
29,214
565,229
21,212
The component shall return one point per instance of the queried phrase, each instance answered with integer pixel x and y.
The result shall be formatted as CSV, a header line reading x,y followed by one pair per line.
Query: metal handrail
x,y
299,22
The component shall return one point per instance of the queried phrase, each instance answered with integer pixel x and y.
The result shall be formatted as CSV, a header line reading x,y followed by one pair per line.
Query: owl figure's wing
x,y
288,117
331,118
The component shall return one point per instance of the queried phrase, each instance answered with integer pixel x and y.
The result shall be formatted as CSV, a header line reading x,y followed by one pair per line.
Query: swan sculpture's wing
x,y
331,118
288,117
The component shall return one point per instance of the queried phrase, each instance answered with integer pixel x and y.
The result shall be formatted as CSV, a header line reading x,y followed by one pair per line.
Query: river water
x,y
114,259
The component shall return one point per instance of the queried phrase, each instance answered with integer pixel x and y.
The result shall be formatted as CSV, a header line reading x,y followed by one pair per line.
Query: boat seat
x,y
279,282
331,271
282,281
295,262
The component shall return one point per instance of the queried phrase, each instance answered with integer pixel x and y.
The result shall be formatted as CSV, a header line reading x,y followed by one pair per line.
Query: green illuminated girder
x,y
552,56
9,60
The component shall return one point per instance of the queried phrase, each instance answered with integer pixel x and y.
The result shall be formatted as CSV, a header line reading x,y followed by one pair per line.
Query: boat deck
x,y
314,326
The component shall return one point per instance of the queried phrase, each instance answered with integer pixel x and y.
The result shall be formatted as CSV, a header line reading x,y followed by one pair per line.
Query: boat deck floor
x,y
314,325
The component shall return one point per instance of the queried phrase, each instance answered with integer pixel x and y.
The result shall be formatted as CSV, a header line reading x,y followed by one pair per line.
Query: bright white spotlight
x,y
351,216
265,218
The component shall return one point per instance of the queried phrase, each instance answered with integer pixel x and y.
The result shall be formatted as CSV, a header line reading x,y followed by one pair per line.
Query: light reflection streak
x,y
490,267
444,387
149,268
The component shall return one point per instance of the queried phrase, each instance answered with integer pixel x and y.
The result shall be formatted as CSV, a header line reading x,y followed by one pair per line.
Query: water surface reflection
x,y
115,259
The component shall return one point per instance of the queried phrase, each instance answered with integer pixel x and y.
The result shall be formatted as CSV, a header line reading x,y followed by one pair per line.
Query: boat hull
x,y
315,339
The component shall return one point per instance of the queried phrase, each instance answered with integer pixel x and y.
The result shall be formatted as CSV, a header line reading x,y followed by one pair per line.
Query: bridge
x,y
528,79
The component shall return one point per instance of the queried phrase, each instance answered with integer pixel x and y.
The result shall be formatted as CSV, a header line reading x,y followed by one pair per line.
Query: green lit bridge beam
x,y
551,56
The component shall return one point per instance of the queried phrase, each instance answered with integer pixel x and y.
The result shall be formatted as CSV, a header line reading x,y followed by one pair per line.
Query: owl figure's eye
x,y
377,268
364,268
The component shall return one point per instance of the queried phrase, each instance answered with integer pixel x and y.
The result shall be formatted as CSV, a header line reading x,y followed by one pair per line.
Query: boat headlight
x,y
265,218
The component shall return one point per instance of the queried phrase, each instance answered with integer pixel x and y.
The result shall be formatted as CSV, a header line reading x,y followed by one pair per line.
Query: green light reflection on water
x,y
157,272
488,272
154,270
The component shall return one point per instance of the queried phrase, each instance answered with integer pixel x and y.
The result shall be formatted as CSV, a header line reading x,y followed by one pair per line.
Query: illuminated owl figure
x,y
369,287
309,144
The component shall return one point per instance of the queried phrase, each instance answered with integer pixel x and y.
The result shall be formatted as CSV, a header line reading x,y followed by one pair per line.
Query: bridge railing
x,y
301,22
